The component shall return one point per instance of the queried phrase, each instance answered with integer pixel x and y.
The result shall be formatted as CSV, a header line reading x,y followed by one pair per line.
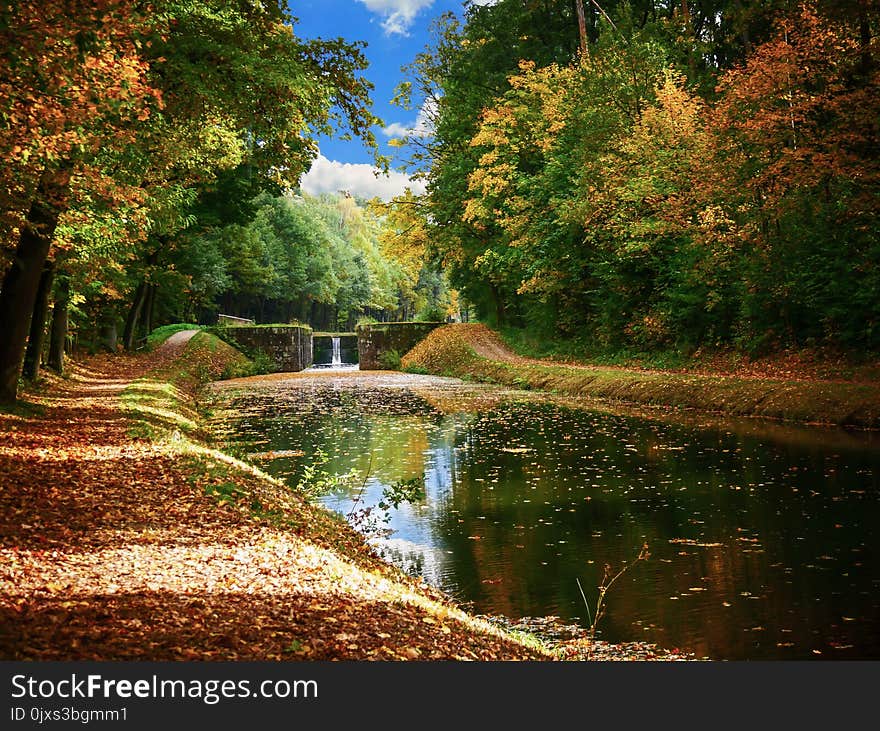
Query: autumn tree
x,y
264,105
72,81
545,147
798,130
131,110
467,66
695,174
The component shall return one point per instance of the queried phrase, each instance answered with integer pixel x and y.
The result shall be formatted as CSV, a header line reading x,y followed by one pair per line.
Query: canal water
x,y
763,538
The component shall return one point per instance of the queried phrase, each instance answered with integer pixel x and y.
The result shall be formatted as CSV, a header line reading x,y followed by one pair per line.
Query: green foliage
x,y
251,363
389,360
431,313
701,177
301,255
316,481
175,117
257,365
402,491
373,520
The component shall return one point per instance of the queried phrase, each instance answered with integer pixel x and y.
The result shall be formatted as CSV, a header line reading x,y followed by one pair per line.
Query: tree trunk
x,y
745,36
58,331
34,354
134,316
498,302
23,277
685,12
582,27
867,60
107,334
150,307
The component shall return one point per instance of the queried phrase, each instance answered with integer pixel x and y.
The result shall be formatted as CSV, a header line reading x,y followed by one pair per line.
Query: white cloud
x,y
422,127
398,15
329,176
396,129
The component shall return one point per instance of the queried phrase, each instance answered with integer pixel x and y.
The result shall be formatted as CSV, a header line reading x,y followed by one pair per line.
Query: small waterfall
x,y
337,354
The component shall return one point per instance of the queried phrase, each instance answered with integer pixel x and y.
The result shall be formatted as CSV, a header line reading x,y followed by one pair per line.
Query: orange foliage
x,y
800,114
71,81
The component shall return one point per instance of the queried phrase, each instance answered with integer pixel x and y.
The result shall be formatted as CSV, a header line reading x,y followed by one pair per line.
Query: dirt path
x,y
488,344
109,551
177,341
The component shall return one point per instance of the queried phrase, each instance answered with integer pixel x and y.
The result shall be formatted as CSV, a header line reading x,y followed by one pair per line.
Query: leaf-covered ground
x,y
115,546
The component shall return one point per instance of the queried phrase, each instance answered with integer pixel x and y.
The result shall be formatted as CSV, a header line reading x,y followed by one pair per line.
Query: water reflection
x,y
763,540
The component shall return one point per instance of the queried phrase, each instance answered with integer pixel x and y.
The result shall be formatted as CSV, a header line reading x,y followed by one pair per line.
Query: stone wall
x,y
377,338
322,348
289,346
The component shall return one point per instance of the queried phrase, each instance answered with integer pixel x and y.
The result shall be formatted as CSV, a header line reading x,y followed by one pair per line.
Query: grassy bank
x,y
474,352
804,363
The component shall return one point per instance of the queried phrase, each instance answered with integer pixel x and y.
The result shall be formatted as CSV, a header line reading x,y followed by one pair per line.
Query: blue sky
x,y
395,31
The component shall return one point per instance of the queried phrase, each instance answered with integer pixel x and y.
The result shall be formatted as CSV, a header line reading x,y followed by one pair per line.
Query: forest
x,y
675,174
647,174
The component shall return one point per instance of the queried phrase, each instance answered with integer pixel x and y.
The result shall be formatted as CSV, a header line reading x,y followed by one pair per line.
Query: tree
x,y
72,81
700,174
798,127
143,106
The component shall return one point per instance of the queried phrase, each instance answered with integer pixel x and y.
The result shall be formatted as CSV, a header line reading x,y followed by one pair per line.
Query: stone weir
x,y
288,346
294,348
378,339
322,348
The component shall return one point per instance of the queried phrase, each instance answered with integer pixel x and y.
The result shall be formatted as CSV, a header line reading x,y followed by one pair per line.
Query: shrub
x,y
390,360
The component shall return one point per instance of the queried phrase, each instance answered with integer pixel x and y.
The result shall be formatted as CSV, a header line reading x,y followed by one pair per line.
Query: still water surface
x,y
763,537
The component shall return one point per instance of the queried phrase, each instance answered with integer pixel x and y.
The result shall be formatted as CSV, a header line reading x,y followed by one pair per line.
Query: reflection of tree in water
x,y
742,529
355,428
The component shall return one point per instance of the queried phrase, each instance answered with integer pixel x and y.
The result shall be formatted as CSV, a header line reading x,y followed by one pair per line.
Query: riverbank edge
x,y
165,406
474,352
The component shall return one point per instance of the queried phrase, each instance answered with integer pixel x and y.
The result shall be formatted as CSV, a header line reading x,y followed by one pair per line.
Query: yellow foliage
x,y
404,235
